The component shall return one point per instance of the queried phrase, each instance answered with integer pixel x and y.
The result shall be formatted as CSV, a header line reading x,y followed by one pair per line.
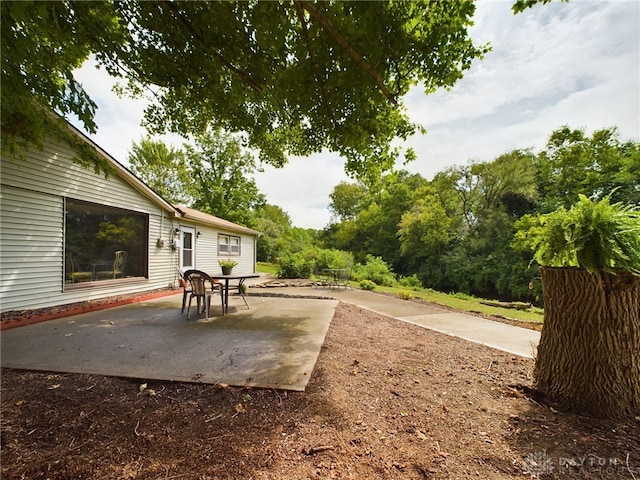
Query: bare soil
x,y
386,400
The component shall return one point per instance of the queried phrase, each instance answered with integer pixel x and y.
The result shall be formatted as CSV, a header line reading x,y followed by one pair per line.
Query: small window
x,y
234,245
228,245
223,244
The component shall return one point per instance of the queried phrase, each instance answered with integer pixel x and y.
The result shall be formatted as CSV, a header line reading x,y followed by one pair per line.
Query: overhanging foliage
x,y
296,77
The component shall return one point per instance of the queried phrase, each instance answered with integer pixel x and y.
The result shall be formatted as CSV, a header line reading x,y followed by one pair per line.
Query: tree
x,y
164,169
574,163
213,175
222,176
588,358
396,194
273,223
296,77
42,44
346,200
424,229
481,202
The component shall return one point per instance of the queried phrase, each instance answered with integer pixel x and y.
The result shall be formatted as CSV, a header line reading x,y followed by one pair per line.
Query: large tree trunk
x,y
589,353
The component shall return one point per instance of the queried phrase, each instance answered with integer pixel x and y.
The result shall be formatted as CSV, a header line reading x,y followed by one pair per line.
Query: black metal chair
x,y
343,275
198,288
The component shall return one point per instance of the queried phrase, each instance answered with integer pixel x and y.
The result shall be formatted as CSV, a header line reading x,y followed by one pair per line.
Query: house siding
x,y
33,190
206,251
32,198
31,253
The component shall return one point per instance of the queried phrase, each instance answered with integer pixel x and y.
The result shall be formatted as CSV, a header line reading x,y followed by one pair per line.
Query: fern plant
x,y
595,236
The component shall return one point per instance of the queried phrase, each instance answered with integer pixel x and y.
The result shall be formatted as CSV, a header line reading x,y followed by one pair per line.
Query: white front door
x,y
187,248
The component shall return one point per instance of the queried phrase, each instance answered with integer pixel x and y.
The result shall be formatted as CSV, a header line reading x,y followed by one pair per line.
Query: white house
x,y
68,234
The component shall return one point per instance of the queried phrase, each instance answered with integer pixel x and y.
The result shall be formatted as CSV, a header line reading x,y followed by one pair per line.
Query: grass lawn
x,y
264,267
468,303
461,302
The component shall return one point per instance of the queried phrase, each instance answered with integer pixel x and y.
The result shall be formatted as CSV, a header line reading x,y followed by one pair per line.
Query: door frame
x,y
192,231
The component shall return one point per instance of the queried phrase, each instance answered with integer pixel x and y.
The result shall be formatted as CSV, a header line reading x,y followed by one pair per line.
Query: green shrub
x,y
412,282
404,295
325,258
295,265
593,236
376,270
367,285
462,296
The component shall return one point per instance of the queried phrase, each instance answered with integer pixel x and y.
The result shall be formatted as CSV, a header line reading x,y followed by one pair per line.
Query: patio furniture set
x,y
203,286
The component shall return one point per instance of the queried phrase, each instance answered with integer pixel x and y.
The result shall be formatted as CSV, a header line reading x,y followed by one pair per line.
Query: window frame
x,y
231,250
144,244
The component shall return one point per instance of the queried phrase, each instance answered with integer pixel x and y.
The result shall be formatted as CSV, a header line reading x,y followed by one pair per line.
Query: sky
x,y
575,64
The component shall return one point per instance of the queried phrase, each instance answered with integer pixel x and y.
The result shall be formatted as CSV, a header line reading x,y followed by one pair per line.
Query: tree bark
x,y
589,354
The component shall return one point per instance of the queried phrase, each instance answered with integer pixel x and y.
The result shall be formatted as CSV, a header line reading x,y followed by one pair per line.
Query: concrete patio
x,y
274,344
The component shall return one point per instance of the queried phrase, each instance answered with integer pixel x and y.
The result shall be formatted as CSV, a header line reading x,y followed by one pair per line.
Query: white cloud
x,y
302,187
571,63
118,118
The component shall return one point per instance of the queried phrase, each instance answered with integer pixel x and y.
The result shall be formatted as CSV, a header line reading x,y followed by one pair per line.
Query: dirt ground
x,y
386,400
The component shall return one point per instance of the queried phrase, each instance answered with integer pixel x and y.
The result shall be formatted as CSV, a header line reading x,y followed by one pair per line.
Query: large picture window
x,y
104,243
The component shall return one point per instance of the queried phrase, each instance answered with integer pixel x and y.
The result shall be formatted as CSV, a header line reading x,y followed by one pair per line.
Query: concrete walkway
x,y
501,336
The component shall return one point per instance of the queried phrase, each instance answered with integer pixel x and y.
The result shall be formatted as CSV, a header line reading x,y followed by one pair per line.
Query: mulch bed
x,y
386,400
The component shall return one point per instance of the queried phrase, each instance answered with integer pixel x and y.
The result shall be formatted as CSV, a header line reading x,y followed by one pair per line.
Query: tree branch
x,y
331,30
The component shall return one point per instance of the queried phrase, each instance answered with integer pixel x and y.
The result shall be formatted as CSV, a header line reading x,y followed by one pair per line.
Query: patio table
x,y
227,278
331,274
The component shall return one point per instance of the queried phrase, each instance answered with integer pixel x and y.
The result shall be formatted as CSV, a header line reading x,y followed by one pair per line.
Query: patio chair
x,y
321,277
76,276
198,288
186,288
119,262
343,275
241,287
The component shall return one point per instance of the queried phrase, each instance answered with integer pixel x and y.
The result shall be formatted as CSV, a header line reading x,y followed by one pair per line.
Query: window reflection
x,y
104,243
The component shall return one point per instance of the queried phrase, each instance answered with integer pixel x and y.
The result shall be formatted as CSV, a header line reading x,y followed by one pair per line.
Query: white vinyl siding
x,y
32,196
31,253
32,220
207,251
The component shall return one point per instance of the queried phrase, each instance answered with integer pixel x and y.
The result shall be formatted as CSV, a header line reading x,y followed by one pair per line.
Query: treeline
x,y
456,232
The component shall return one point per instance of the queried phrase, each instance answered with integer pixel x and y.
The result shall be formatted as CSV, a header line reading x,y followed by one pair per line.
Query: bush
x,y
376,270
367,285
462,296
331,258
295,265
404,295
412,282
595,236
